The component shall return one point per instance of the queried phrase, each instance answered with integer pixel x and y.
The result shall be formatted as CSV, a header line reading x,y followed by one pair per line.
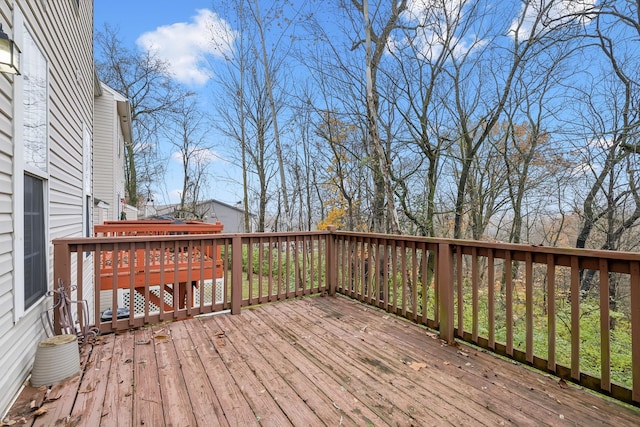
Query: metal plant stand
x,y
65,322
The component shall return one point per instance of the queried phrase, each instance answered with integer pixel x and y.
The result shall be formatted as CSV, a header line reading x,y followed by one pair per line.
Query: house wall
x,y
212,211
63,30
106,139
231,218
104,130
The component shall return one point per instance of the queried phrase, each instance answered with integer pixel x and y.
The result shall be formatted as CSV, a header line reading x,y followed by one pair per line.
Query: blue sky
x,y
181,33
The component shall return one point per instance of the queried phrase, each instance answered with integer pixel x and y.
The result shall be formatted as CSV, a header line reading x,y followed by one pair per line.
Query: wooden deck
x,y
308,362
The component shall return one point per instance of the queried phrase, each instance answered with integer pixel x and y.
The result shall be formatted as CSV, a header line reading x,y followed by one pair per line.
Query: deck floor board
x,y
405,372
203,399
118,402
312,361
361,372
440,366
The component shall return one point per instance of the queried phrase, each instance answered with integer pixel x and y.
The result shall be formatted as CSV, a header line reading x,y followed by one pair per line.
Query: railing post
x,y
635,331
61,273
236,274
331,260
445,291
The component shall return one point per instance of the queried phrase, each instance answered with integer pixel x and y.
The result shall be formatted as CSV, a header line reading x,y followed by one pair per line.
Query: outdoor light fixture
x,y
9,54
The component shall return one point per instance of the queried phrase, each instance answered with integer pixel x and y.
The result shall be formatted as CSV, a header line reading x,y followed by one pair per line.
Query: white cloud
x,y
435,21
185,46
547,15
418,10
200,156
174,195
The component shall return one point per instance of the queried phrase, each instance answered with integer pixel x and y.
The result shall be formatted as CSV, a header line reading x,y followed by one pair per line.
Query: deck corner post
x,y
331,260
445,291
61,274
236,274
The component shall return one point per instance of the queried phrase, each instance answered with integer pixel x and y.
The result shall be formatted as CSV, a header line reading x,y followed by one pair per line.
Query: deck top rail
x,y
155,228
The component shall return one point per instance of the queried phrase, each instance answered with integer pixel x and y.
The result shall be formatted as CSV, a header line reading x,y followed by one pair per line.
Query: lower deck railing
x,y
574,313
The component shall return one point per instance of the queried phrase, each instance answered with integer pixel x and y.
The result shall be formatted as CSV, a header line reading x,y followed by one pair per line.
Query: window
x,y
35,161
86,178
34,70
87,214
35,261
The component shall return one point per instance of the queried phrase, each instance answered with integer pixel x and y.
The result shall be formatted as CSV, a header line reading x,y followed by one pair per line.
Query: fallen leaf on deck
x,y
447,363
562,383
104,359
385,317
221,343
262,391
128,361
363,329
161,337
21,420
417,366
143,342
74,422
41,411
467,364
432,335
463,353
32,404
220,334
51,399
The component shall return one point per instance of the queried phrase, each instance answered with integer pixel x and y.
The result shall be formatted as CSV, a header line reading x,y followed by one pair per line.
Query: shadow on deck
x,y
307,362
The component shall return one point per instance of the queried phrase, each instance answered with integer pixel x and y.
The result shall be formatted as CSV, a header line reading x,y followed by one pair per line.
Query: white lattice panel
x,y
124,299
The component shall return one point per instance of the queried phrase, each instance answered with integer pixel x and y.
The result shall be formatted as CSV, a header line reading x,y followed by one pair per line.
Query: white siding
x,y
108,149
63,31
105,128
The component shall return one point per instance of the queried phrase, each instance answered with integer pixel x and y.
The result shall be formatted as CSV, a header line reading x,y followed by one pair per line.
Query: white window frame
x,y
20,168
87,176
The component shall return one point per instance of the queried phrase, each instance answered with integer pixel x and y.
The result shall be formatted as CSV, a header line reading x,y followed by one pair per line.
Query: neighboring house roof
x,y
234,207
167,208
124,111
100,203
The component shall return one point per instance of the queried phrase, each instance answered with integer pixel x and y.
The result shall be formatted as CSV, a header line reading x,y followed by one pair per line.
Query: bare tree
x,y
343,178
375,45
152,93
269,82
616,130
249,124
422,53
189,138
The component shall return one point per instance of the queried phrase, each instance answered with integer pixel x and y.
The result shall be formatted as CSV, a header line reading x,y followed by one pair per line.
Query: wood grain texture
x,y
313,361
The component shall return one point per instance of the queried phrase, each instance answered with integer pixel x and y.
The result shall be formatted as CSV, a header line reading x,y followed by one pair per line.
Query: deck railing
x,y
156,278
574,313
